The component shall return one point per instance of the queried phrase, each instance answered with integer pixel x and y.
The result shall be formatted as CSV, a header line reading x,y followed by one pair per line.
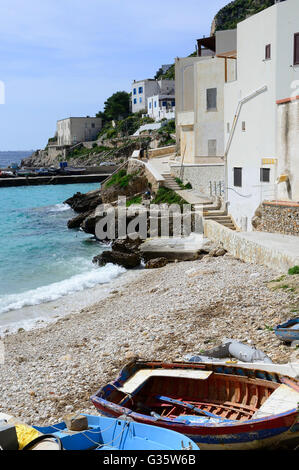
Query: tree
x,y
116,107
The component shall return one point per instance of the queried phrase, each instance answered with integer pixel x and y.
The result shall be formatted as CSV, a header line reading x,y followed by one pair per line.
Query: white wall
x,y
258,141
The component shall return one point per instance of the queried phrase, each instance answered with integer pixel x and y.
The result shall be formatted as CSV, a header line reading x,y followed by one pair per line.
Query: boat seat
x,y
192,419
138,379
283,399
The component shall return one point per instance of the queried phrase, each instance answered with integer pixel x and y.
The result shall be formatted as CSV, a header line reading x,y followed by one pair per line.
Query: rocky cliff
x,y
236,11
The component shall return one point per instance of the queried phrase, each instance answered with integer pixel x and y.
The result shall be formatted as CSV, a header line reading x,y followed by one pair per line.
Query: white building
x,y
200,110
161,107
72,130
144,89
262,112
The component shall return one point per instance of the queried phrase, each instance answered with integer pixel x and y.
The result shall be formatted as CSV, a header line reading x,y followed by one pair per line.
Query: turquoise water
x,y
40,258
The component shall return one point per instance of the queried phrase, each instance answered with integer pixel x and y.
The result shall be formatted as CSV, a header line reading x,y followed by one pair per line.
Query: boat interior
x,y
202,394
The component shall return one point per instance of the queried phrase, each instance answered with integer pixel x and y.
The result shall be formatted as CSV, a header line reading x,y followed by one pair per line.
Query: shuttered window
x,y
238,177
296,49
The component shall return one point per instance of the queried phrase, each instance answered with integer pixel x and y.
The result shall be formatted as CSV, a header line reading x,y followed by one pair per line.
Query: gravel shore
x,y
163,314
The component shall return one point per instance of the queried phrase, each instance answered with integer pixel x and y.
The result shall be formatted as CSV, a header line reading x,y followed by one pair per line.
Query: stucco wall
x,y
202,177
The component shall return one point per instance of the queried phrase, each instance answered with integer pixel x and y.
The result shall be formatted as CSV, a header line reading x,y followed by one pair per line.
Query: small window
x,y
135,101
155,104
140,100
265,175
164,103
268,52
173,103
238,177
93,125
134,91
211,99
140,90
243,126
296,49
150,105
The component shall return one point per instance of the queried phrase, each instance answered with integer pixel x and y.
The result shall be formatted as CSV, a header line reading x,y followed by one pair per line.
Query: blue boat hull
x,y
116,434
289,331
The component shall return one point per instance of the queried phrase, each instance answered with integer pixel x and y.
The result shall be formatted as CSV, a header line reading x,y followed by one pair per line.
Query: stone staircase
x,y
170,182
217,213
212,209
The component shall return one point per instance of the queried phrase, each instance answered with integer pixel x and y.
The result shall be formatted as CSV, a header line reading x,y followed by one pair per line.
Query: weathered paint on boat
x,y
117,434
286,331
241,392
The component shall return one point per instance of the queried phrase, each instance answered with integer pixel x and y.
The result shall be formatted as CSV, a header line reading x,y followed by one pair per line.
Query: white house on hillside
x,y
262,112
72,130
144,89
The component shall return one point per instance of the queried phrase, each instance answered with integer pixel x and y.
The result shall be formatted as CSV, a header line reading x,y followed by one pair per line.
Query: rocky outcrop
x,y
124,253
85,202
136,185
77,221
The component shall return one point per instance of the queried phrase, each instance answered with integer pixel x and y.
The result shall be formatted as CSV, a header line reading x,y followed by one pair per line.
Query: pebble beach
x,y
162,314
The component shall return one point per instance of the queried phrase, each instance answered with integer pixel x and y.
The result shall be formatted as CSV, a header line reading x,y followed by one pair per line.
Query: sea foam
x,y
54,291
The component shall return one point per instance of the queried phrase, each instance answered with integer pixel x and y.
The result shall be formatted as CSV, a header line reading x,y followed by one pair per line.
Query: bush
x,y
134,200
294,270
168,196
121,179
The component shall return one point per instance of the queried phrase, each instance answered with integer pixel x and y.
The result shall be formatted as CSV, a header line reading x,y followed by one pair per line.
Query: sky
x,y
62,58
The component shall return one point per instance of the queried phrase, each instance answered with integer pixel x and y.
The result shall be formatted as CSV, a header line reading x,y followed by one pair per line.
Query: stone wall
x,y
277,217
207,179
252,250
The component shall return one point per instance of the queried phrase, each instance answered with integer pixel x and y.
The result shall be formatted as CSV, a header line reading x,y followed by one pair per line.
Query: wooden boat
x,y
116,434
289,331
217,406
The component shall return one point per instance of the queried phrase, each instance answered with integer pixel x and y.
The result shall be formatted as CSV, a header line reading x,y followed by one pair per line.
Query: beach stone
x,y
156,263
75,422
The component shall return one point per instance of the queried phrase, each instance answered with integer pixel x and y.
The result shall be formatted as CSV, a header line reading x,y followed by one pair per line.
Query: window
x,y
265,175
93,125
140,100
238,177
134,91
296,49
211,99
155,104
140,89
135,101
150,106
268,52
243,126
164,103
173,103
212,148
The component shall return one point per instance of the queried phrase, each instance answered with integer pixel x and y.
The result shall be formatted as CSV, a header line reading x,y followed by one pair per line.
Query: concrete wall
x,y
207,179
277,217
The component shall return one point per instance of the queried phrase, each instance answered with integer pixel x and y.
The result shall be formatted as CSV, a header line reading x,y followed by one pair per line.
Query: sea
x,y
6,158
41,260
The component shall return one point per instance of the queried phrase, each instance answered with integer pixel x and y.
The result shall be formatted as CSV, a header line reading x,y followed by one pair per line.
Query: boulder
x,y
156,263
127,260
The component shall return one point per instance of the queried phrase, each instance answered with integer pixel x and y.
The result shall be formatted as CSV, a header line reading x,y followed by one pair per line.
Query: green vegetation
x,y
182,185
165,133
269,328
293,271
82,151
124,127
238,10
116,107
168,196
120,179
281,278
134,200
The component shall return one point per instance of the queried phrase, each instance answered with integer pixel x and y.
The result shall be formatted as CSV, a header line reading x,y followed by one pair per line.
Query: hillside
x,y
236,11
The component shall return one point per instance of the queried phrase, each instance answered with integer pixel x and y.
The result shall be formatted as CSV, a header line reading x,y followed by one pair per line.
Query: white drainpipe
x,y
232,132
